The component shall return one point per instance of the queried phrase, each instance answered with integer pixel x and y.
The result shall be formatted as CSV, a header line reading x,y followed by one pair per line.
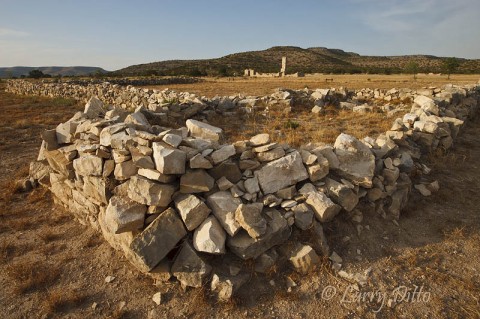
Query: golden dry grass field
x,y
211,87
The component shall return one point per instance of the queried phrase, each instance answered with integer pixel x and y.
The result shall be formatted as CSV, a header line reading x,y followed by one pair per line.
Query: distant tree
x,y
412,68
450,65
36,74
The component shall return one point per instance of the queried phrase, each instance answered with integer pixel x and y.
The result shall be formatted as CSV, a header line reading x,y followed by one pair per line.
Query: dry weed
x,y
61,299
7,249
29,276
48,236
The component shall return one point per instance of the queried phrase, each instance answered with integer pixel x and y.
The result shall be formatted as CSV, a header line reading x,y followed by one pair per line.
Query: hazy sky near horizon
x,y
115,34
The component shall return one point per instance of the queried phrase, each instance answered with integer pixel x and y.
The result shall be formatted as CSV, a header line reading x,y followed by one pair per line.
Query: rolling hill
x,y
18,71
311,60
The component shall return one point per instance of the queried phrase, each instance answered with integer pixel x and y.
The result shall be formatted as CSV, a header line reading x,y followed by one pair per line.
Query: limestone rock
x,y
271,155
204,130
94,108
224,205
88,165
304,259
260,139
65,131
277,232
173,140
250,218
169,161
251,185
199,161
356,161
147,192
189,268
341,194
303,216
228,170
155,175
226,286
224,184
281,173
124,215
325,210
196,181
158,239
223,153
210,237
125,170
192,210
427,104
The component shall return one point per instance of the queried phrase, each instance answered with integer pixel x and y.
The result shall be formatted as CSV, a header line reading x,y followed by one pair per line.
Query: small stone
x,y
307,157
147,192
109,279
304,259
335,258
124,215
422,188
125,170
157,298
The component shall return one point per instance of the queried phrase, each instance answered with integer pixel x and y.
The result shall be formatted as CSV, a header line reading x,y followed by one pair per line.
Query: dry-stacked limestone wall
x,y
183,203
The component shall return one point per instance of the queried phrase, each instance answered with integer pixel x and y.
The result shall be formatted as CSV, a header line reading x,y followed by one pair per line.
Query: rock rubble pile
x,y
183,202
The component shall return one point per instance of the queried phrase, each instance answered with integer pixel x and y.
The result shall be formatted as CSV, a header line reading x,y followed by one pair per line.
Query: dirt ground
x,y
211,87
427,266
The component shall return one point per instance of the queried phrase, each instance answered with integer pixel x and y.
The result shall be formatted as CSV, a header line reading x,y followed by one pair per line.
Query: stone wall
x,y
184,203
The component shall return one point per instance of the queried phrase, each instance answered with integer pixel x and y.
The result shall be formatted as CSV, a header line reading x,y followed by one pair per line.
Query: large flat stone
x,y
356,161
196,181
281,173
204,130
124,215
158,239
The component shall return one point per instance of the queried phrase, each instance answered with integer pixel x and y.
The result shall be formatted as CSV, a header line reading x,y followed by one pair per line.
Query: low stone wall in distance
x,y
181,202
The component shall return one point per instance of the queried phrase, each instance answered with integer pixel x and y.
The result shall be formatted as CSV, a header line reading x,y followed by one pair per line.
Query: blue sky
x,y
115,34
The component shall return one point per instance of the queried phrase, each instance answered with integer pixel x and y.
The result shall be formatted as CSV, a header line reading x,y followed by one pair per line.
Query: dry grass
x,y
301,126
12,185
28,276
263,86
48,236
7,249
61,299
